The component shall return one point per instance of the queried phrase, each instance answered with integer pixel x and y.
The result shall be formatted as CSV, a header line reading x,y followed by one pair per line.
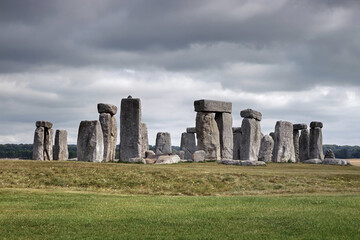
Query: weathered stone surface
x,y
38,146
182,155
272,134
114,134
313,161
230,162
163,143
304,145
188,144
335,161
48,144
266,149
45,124
315,146
149,153
167,159
296,137
144,139
213,106
316,124
300,126
90,142
250,139
224,123
106,126
130,129
107,108
329,154
236,143
61,151
252,163
208,137
191,130
283,142
136,160
199,156
249,113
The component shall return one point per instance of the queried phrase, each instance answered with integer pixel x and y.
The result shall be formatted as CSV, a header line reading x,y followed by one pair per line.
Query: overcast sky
x,y
294,60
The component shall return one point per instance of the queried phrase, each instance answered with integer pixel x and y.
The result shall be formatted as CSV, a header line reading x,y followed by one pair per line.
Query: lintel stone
x,y
205,105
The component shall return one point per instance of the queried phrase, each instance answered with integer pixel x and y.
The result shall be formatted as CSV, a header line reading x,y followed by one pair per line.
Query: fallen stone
x,y
315,145
336,161
224,123
252,163
304,142
249,113
150,160
236,142
149,153
61,151
313,161
45,124
191,130
300,126
38,146
188,144
208,137
167,159
90,142
163,143
204,105
107,108
266,149
137,160
199,156
284,142
316,124
250,139
230,162
330,154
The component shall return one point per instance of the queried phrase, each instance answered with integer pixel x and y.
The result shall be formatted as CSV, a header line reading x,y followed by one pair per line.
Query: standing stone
x,y
266,149
236,142
188,144
114,135
144,139
224,123
207,134
130,129
106,126
163,143
296,135
61,147
304,145
250,139
284,142
38,146
272,134
48,144
90,142
182,155
316,148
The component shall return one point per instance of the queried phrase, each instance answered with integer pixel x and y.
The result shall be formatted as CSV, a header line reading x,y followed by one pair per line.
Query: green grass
x,y
41,214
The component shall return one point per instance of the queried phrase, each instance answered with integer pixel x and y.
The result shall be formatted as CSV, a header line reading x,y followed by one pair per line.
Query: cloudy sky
x,y
294,60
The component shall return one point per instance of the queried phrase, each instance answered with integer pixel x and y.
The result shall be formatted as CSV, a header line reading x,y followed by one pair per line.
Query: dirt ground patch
x,y
355,162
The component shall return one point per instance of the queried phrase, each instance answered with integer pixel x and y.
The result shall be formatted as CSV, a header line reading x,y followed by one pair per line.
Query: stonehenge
x,y
90,142
315,145
283,142
61,151
43,141
109,128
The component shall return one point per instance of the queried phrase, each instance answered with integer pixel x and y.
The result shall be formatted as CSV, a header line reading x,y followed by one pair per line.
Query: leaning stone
x,y
45,124
316,124
182,155
313,161
204,105
167,159
107,108
144,139
199,156
304,145
250,139
249,113
38,146
48,144
266,149
315,146
106,126
230,162
90,142
336,161
224,123
252,163
188,144
236,142
61,151
284,142
208,138
191,130
163,143
149,153
300,126
130,129
330,154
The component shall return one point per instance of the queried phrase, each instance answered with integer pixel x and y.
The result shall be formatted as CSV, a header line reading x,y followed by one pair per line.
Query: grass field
x,y
77,200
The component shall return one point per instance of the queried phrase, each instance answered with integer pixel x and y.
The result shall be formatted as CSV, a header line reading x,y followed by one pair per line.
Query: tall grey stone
x,y
163,143
304,145
296,135
187,144
207,134
144,140
130,129
61,151
284,142
250,139
114,134
266,149
38,146
48,144
106,126
224,123
316,147
236,142
90,142
213,106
